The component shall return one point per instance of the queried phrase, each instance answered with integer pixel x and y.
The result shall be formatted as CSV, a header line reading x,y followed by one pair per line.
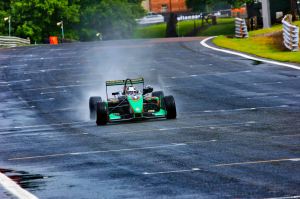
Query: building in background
x,y
146,5
165,6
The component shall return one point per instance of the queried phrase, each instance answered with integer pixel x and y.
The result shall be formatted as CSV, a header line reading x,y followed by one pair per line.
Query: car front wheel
x,y
93,106
170,107
101,116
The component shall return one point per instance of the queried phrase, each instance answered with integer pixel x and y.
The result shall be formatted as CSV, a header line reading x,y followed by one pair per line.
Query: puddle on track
x,y
255,62
25,179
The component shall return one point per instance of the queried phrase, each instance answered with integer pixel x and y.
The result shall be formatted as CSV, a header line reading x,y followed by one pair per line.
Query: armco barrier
x,y
290,35
241,28
12,41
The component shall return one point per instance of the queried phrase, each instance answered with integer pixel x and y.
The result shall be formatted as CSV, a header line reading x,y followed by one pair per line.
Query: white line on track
x,y
209,74
247,56
52,69
3,66
239,109
55,87
288,197
42,125
230,164
18,102
18,108
54,92
176,171
109,151
64,109
15,189
26,80
188,127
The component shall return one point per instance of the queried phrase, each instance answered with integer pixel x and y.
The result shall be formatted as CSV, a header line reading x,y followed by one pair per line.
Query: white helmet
x,y
131,90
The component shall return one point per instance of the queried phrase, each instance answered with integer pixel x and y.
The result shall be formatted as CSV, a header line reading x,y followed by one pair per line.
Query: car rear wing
x,y
124,82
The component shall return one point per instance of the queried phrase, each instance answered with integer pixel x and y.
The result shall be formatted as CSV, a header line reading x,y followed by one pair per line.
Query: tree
x,y
114,19
38,19
4,12
82,19
200,5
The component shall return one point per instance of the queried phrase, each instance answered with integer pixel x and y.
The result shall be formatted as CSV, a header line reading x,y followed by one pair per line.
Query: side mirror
x,y
148,89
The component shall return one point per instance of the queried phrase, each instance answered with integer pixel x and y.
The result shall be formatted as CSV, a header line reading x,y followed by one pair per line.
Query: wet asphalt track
x,y
236,135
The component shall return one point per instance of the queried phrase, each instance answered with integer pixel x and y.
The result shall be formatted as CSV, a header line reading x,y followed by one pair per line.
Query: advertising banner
x,y
221,13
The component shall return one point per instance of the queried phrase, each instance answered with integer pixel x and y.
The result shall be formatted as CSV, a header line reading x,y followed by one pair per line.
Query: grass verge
x,y
155,31
269,47
224,29
159,30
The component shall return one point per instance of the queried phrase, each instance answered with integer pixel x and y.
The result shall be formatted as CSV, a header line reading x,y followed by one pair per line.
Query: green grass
x,y
159,30
225,29
187,26
260,46
155,31
262,31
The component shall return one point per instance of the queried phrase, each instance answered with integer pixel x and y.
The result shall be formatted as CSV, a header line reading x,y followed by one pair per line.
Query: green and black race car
x,y
131,104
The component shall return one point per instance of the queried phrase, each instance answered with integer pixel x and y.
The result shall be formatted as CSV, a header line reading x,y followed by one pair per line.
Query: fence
x,y
290,35
12,41
241,28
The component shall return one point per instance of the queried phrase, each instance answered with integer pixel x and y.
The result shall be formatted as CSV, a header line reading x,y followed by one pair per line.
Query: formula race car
x,y
131,104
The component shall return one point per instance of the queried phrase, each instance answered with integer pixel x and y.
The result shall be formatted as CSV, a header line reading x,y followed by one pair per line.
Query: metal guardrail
x,y
12,41
290,35
241,28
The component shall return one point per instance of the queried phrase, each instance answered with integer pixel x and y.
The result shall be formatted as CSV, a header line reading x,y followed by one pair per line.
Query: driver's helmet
x,y
131,90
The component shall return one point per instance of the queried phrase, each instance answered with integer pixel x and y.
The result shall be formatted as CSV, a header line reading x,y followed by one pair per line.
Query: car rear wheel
x,y
170,107
161,95
101,116
93,106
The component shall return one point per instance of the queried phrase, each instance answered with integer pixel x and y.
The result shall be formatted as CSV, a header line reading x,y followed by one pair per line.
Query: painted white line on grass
x,y
15,189
247,56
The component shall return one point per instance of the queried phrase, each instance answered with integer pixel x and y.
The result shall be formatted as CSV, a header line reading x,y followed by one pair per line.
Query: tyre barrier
x,y
241,28
290,35
59,40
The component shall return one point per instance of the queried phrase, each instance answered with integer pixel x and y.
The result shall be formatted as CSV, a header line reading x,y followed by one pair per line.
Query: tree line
x,y
202,5
82,19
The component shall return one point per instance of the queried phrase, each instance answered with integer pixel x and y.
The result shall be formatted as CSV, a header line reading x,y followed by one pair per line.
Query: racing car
x,y
131,103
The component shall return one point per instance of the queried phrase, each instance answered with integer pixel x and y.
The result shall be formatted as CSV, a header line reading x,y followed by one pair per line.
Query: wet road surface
x,y
236,134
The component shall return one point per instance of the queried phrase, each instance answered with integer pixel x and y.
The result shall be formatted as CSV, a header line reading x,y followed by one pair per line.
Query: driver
x,y
131,90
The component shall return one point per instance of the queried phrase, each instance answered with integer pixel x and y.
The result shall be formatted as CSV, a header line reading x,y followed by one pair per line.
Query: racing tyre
x,y
93,106
170,107
161,95
101,116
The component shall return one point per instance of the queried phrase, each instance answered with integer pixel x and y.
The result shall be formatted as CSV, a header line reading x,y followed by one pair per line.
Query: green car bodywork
x,y
131,104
